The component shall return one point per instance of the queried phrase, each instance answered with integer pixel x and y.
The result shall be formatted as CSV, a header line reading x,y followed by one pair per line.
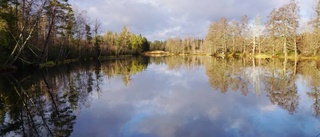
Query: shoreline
x,y
232,55
14,68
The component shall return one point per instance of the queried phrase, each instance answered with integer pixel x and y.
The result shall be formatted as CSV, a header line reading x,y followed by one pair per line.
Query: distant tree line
x,y
279,36
189,45
123,43
37,31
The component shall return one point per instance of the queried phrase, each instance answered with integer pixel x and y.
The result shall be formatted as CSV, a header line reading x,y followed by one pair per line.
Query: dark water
x,y
164,97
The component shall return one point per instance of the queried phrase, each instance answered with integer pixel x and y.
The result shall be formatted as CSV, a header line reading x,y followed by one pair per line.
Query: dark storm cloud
x,y
160,19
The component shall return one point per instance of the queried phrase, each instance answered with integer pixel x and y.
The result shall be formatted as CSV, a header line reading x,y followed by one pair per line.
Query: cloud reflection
x,y
169,103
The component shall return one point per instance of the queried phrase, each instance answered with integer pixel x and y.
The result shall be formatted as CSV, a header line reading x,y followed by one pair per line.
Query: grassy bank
x,y
159,53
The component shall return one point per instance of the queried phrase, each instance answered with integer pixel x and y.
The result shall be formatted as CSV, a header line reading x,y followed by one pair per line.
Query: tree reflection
x,y
281,86
125,68
217,72
315,96
310,72
228,74
46,103
190,62
238,75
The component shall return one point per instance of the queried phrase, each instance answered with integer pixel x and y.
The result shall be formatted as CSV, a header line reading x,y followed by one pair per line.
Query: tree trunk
x,y
285,47
244,48
295,49
254,46
45,49
273,50
233,44
315,51
16,52
259,44
295,66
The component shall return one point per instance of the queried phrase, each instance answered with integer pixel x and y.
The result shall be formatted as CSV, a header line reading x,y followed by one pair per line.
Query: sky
x,y
162,19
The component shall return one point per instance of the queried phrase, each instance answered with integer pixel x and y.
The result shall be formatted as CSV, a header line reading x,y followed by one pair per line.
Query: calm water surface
x,y
164,97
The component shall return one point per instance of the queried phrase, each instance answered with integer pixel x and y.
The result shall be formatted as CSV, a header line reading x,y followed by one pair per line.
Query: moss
x,y
69,61
48,64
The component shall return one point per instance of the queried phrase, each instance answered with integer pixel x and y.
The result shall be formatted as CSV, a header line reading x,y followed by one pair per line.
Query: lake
x,y
194,96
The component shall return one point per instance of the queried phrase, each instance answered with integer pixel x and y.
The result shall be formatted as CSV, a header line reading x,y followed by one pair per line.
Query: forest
x,y
44,32
40,32
279,36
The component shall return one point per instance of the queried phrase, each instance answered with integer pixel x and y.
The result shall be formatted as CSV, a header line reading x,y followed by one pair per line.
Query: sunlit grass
x,y
263,56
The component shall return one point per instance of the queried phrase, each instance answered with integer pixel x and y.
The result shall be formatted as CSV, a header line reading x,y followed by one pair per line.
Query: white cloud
x,y
159,19
268,108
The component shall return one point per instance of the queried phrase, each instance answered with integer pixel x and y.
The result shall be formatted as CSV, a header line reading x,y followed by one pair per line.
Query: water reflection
x,y
167,96
47,102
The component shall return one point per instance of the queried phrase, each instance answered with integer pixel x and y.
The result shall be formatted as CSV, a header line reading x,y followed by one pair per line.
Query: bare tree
x,y
235,33
244,33
256,34
314,38
283,24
